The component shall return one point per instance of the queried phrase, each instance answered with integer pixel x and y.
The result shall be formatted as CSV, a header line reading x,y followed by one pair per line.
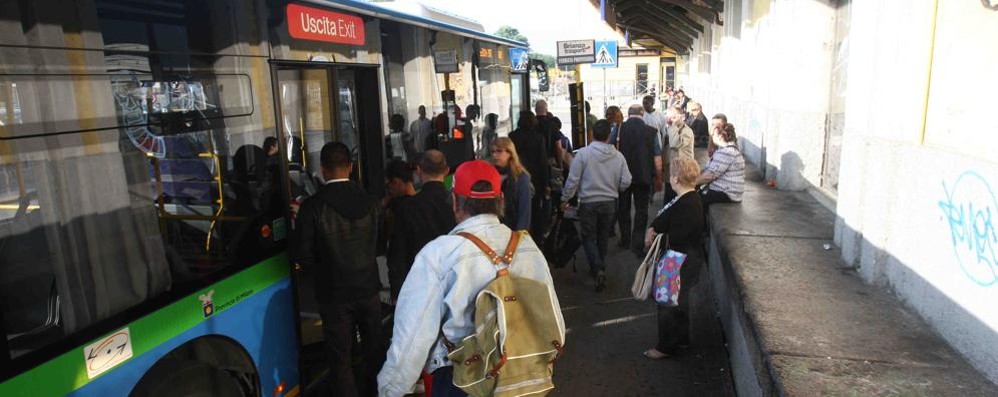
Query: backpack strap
x,y
507,257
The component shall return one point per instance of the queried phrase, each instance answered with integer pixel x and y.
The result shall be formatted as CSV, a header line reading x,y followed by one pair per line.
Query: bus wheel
x,y
187,378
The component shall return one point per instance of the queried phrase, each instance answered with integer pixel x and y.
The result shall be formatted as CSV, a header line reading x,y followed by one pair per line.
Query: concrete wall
x,y
771,76
908,86
917,204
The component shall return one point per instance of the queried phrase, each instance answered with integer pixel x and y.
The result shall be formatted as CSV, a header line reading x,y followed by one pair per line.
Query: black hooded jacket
x,y
337,235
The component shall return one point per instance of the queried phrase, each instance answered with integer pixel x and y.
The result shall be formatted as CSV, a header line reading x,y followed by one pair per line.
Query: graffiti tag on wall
x,y
971,210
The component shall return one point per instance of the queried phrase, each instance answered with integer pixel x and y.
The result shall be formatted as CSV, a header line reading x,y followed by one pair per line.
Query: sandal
x,y
654,354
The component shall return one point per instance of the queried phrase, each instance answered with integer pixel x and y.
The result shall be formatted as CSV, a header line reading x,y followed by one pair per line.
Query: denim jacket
x,y
441,289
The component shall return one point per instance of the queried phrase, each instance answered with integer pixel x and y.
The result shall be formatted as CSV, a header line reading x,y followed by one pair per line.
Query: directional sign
x,y
576,51
445,61
606,54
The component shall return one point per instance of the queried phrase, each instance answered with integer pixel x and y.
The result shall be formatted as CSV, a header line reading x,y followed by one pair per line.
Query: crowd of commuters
x,y
442,181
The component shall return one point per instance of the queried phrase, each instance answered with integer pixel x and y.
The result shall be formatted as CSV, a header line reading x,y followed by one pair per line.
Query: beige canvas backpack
x,y
517,336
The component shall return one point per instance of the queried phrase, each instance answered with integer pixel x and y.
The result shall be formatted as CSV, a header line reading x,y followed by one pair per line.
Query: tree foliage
x,y
548,59
511,33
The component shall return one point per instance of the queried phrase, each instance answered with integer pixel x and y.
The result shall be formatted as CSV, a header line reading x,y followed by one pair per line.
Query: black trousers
x,y
669,193
708,197
540,218
640,195
340,323
674,321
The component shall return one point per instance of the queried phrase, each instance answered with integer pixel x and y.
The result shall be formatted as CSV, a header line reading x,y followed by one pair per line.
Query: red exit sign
x,y
314,24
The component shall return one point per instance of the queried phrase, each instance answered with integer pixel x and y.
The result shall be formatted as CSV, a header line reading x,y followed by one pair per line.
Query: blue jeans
x,y
596,220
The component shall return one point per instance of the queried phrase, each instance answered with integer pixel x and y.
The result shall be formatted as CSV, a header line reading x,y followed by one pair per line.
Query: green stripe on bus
x,y
68,372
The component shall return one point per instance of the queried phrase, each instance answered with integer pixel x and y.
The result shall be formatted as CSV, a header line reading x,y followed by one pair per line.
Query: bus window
x,y
97,220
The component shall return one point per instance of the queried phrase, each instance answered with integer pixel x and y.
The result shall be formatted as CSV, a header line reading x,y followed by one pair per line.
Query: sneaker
x,y
600,281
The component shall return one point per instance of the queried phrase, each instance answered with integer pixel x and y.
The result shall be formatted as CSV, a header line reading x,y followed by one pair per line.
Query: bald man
x,y
638,142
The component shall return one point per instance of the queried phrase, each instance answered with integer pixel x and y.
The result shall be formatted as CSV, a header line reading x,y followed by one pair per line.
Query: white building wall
x,y
917,196
917,206
772,81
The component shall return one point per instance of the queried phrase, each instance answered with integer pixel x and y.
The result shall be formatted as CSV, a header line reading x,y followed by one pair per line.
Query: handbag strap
x,y
652,251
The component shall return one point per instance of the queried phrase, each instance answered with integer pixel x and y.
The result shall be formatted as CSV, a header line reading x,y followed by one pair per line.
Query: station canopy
x,y
666,24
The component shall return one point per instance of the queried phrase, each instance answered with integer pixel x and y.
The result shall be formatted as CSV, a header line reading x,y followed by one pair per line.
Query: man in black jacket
x,y
531,145
420,219
698,123
639,144
336,237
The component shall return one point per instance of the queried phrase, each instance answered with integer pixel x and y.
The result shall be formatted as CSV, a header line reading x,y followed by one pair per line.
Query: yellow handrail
x,y
221,197
215,218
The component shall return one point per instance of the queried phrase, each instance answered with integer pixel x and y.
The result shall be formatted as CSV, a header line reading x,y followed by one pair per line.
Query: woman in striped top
x,y
725,173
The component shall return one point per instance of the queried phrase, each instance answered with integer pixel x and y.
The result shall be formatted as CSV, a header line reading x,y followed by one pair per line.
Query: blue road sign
x,y
606,54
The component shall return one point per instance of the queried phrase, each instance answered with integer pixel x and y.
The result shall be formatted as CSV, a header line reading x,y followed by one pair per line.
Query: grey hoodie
x,y
603,172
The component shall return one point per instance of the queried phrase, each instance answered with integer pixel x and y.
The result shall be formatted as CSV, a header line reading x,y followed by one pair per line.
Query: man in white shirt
x,y
420,129
655,119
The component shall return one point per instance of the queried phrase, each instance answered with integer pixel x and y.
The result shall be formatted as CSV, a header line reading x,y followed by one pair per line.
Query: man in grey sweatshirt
x,y
599,172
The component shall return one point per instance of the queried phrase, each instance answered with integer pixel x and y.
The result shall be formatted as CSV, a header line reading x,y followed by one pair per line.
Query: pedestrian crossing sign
x,y
606,54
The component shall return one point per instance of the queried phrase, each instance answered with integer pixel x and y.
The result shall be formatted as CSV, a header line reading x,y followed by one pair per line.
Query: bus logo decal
x,y
106,353
207,303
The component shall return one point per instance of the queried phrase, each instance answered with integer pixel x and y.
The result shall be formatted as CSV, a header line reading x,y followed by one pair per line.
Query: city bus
x,y
149,154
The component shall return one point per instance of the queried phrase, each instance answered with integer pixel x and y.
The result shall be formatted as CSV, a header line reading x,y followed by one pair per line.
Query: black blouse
x,y
682,222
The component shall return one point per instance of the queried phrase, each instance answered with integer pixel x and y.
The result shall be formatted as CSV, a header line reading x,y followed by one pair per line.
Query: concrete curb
x,y
799,322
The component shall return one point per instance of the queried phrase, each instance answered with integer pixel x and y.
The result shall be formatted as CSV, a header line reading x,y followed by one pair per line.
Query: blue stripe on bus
x,y
272,344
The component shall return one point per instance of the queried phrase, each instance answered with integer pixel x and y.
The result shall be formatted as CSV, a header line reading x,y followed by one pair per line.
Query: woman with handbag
x,y
681,224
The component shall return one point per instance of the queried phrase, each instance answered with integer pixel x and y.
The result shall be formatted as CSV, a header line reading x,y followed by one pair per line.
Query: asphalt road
x,y
608,331
606,334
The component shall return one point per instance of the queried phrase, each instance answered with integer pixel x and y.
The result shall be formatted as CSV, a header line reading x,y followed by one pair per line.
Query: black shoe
x,y
623,243
600,281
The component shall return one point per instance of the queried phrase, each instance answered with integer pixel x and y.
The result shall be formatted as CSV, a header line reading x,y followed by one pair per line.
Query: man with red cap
x,y
437,300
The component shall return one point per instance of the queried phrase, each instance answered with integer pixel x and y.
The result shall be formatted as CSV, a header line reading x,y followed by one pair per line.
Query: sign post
x,y
606,58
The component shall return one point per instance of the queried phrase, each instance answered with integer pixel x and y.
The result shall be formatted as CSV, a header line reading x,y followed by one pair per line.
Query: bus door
x,y
318,104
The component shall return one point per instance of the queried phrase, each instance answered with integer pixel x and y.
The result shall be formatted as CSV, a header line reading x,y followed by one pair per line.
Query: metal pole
x,y
604,91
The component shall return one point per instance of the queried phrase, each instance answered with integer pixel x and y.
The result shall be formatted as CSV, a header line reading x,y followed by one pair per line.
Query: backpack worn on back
x,y
516,337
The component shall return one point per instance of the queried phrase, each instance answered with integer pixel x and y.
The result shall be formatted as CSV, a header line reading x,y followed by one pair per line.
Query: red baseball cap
x,y
470,172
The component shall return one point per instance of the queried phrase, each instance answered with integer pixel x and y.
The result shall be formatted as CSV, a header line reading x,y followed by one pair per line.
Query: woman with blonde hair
x,y
681,221
516,187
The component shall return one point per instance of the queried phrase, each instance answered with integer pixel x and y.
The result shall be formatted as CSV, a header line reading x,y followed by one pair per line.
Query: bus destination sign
x,y
307,23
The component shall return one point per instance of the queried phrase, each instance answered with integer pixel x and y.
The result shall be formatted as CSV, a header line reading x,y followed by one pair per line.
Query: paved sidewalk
x,y
798,322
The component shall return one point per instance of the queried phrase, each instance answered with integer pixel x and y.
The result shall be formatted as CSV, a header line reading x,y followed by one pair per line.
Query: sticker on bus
x,y
207,303
107,353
